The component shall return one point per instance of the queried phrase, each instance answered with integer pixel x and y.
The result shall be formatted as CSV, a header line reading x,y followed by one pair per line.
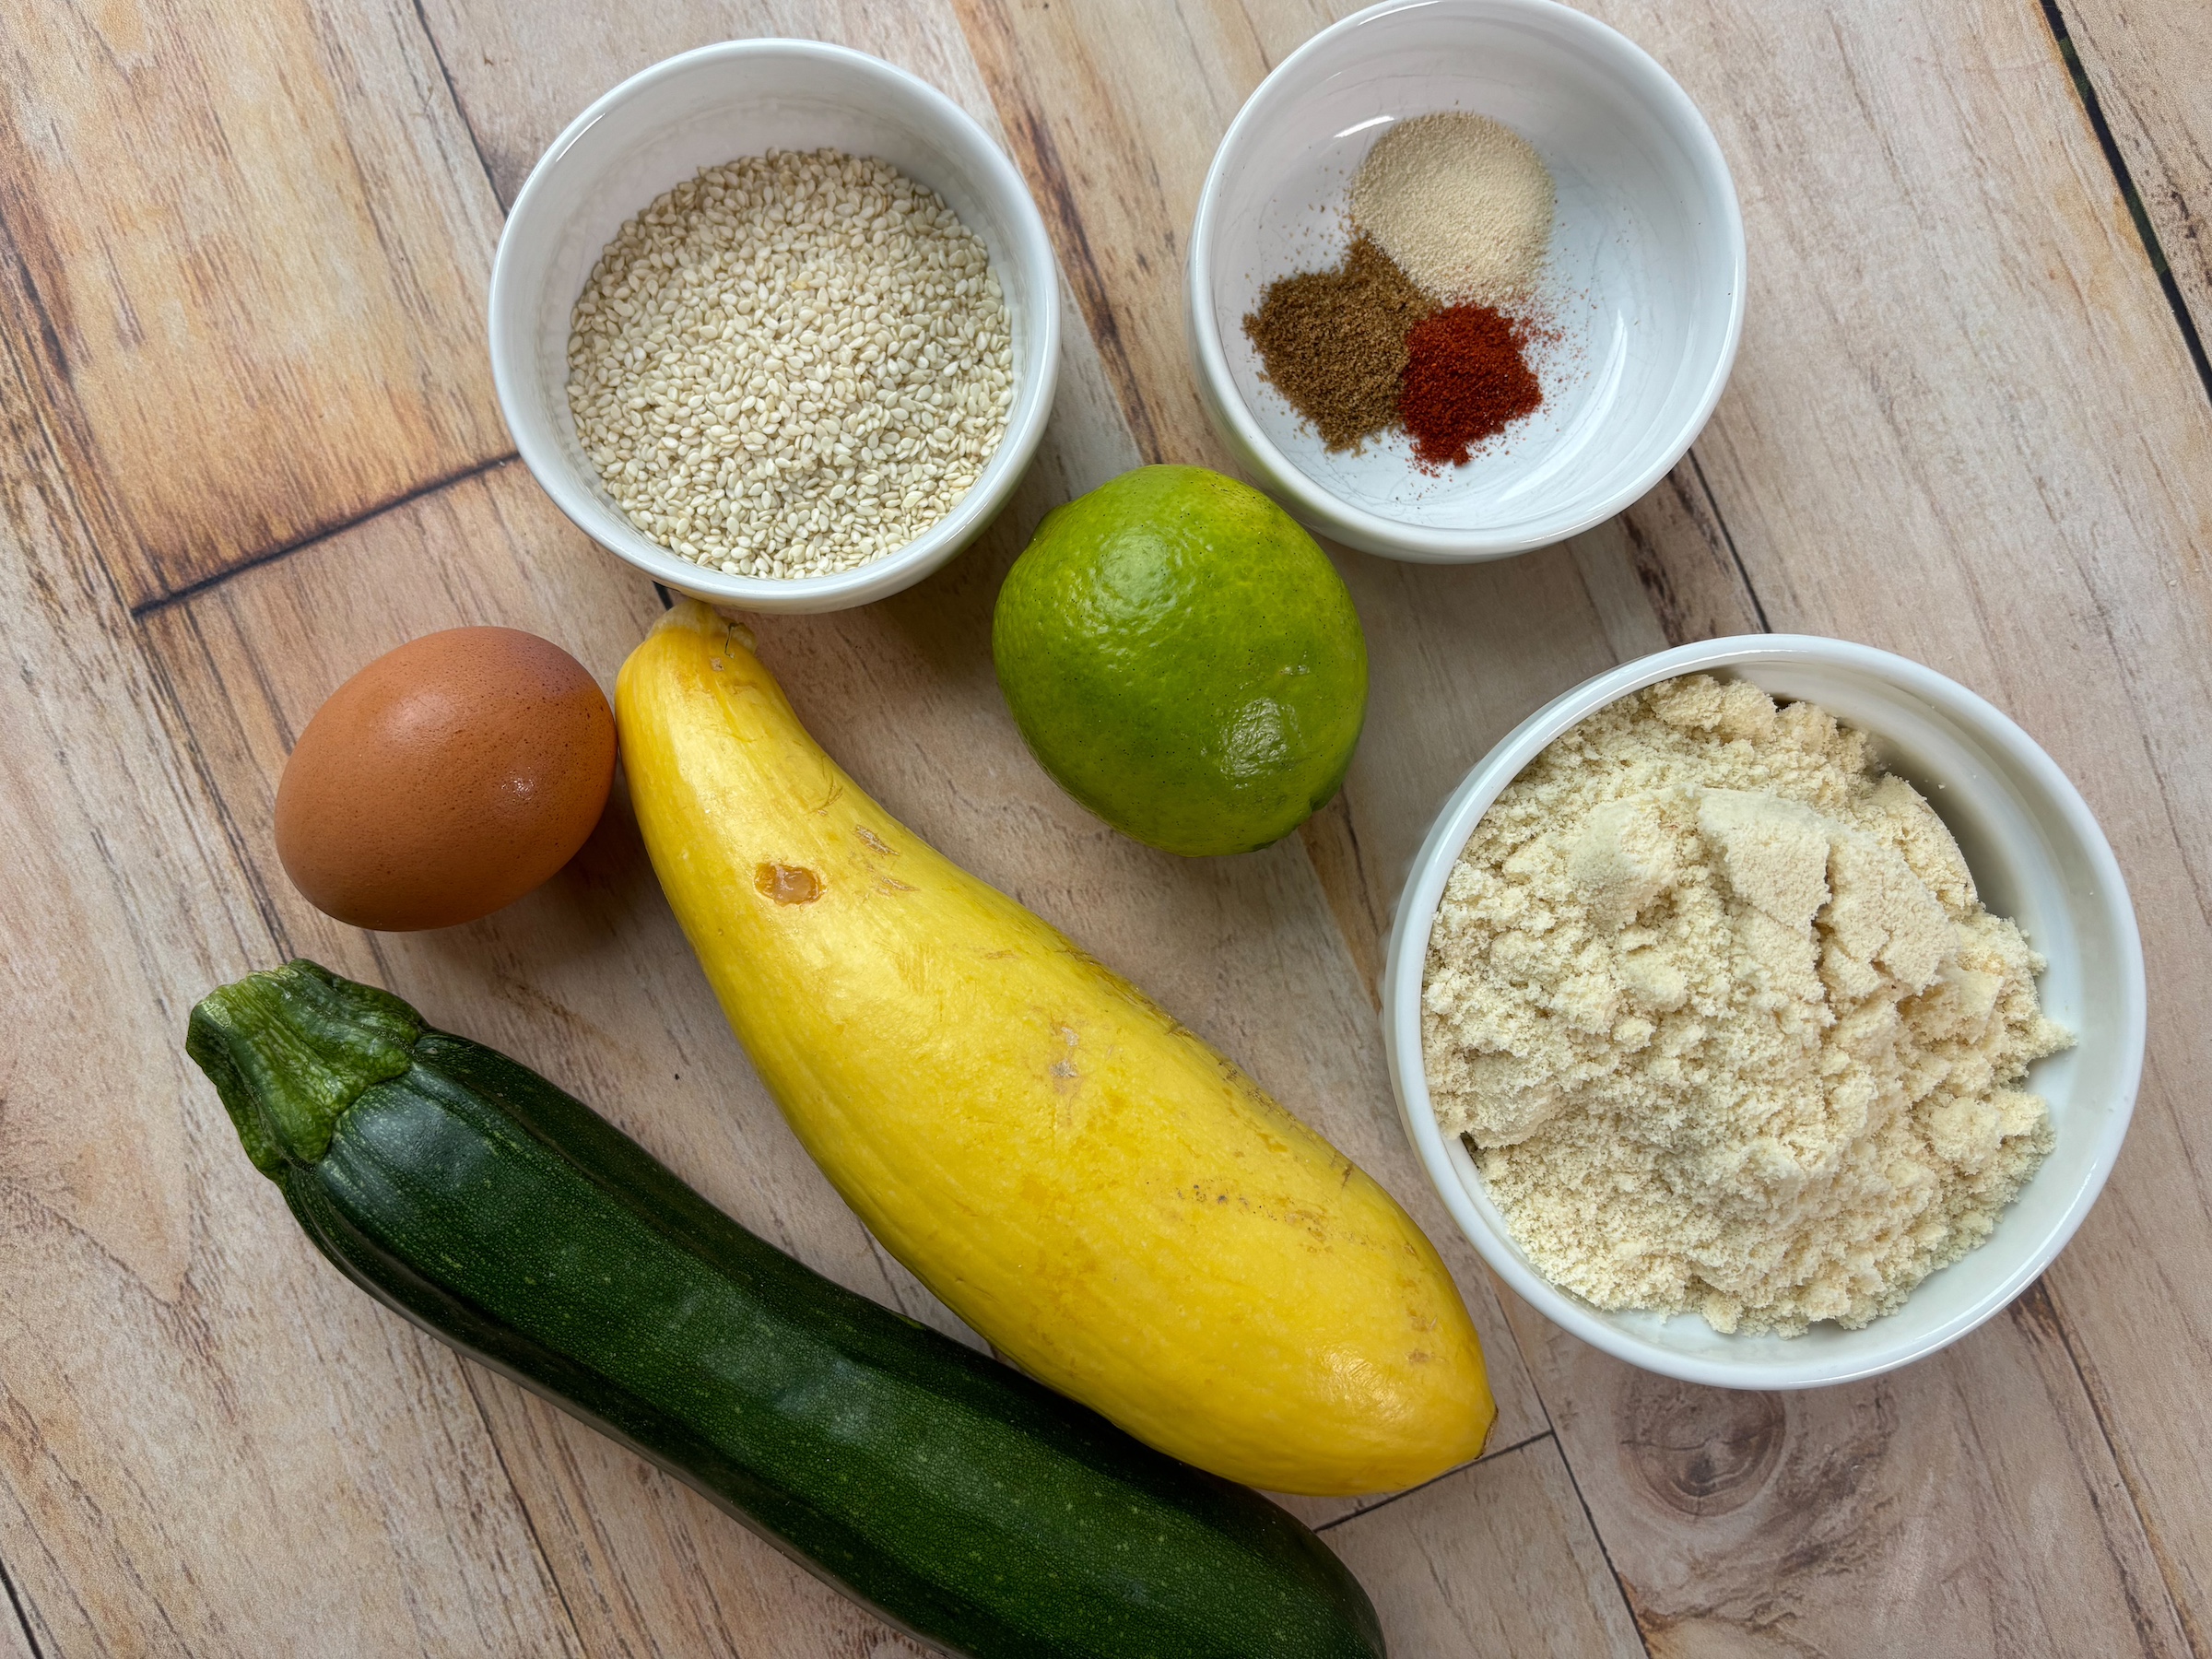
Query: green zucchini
x,y
965,1503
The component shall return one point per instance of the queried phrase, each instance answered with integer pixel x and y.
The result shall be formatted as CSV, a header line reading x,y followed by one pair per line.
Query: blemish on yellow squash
x,y
1116,1207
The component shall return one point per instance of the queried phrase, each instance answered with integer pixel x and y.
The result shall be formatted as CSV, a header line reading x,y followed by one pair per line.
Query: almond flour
x,y
1725,1020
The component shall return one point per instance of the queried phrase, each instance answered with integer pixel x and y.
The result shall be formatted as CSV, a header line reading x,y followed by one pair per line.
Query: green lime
x,y
1183,660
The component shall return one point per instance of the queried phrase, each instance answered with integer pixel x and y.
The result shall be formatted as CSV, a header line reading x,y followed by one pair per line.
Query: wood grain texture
x,y
567,1544
1964,427
1684,560
179,1384
255,239
2150,62
1965,1505
522,69
516,114
14,1633
590,980
1115,144
1469,1565
1943,302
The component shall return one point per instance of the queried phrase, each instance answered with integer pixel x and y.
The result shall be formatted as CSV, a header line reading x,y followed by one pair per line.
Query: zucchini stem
x,y
290,1048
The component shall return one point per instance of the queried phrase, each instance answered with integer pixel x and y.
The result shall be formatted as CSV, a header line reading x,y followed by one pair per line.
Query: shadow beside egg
x,y
575,912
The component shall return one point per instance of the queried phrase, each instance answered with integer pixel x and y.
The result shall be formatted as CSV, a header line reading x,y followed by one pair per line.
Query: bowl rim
x,y
1026,421
1392,537
1407,948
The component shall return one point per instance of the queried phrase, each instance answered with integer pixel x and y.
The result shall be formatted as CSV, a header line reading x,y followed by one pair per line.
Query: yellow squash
x,y
1116,1207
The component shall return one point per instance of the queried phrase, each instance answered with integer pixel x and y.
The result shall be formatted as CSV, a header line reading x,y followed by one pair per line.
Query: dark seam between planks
x,y
55,420
14,1601
1089,281
429,38
1486,1456
1038,154
2087,91
1627,1605
1720,522
1360,877
2041,1302
192,590
75,474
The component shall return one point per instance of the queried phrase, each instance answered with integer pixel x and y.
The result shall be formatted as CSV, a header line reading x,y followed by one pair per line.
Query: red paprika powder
x,y
1465,379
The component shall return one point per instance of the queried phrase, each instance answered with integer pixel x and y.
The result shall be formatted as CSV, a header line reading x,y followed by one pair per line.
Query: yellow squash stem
x,y
1117,1207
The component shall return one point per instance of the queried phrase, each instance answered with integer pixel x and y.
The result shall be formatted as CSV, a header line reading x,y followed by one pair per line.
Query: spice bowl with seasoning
x,y
1467,278
778,323
1960,1169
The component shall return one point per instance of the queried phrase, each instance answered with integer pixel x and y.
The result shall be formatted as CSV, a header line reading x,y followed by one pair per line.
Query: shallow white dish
x,y
715,104
2037,857
1645,283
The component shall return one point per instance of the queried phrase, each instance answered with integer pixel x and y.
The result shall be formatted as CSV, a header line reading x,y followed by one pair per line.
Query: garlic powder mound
x,y
1462,203
1718,1008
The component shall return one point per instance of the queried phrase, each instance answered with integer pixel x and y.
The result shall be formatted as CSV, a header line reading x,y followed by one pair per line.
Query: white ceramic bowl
x,y
1645,278
2037,857
715,104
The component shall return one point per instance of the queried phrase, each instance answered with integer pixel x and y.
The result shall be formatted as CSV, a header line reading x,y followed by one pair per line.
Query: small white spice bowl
x,y
717,104
1643,282
2037,856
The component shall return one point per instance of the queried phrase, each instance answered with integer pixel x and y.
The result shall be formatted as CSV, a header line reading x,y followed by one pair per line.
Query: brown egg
x,y
446,778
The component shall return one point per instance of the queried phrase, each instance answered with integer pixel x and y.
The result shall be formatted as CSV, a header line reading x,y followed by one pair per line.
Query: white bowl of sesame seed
x,y
827,434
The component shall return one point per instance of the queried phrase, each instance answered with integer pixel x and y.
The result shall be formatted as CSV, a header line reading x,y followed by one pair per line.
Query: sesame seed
x,y
791,364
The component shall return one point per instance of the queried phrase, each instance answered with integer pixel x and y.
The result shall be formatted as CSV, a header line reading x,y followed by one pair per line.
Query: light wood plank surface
x,y
1918,449
2007,413
258,239
15,1635
1162,943
1467,1565
2150,62
522,69
605,1593
591,980
1933,125
179,1383
1965,1505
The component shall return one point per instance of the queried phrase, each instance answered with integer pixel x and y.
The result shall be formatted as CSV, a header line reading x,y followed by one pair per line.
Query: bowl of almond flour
x,y
778,323
1768,1012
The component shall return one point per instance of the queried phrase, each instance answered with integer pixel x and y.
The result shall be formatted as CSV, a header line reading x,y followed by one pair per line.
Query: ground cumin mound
x,y
1725,1021
1334,342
